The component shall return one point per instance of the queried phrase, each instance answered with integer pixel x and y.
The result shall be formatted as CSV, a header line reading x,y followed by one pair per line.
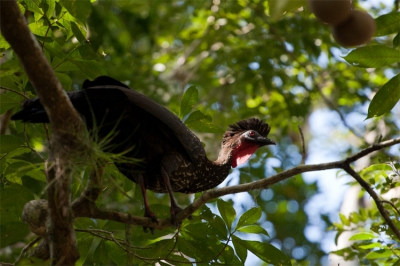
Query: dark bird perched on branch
x,y
173,157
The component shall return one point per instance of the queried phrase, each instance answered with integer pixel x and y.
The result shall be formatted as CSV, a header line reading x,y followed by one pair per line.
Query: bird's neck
x,y
224,156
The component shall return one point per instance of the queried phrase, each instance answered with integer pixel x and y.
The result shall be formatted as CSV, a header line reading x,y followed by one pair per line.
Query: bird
x,y
171,157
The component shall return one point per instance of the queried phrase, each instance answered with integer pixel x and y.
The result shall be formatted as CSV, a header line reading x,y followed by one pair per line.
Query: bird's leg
x,y
174,206
147,212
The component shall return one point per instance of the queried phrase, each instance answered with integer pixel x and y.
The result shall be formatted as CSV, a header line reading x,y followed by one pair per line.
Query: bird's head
x,y
245,137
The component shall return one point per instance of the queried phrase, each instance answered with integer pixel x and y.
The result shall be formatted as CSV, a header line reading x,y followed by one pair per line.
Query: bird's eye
x,y
252,133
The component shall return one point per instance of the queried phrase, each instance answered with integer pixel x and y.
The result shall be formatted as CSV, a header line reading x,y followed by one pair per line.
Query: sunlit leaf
x,y
386,98
3,43
387,24
33,5
251,216
373,56
39,29
344,219
253,229
227,212
189,99
362,236
278,7
49,6
377,254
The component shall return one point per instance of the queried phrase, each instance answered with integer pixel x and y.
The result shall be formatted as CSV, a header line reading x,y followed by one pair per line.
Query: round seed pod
x,y
357,30
333,12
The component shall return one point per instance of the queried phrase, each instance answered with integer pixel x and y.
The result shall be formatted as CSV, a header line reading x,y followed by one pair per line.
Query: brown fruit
x,y
332,12
357,30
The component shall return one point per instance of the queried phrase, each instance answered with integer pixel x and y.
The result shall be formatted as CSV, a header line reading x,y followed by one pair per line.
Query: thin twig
x,y
14,91
391,204
374,196
25,249
226,244
303,146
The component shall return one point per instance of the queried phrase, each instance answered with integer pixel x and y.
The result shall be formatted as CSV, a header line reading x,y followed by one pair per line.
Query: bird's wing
x,y
187,138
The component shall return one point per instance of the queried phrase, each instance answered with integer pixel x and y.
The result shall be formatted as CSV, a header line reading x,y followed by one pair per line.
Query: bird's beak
x,y
265,141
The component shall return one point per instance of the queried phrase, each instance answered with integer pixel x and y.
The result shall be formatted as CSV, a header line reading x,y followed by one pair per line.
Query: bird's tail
x,y
32,112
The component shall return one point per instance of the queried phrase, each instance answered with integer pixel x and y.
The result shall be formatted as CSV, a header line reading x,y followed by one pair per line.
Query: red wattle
x,y
242,155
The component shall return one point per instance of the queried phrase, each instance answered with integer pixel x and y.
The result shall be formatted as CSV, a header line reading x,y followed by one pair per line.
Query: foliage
x,y
373,242
246,58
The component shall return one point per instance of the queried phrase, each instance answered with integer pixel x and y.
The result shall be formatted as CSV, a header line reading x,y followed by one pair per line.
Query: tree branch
x,y
67,140
96,213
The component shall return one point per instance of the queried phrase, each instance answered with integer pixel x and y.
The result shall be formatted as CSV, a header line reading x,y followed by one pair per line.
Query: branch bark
x,y
68,139
93,211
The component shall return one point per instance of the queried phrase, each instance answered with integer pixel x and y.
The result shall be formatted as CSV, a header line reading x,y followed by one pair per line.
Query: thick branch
x,y
215,193
66,125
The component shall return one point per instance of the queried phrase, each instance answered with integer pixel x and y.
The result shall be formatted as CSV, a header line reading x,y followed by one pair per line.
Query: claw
x,y
149,214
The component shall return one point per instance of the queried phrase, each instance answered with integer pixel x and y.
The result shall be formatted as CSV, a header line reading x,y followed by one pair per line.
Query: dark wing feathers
x,y
189,141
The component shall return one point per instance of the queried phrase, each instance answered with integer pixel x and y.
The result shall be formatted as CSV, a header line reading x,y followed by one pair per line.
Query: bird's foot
x,y
174,211
149,214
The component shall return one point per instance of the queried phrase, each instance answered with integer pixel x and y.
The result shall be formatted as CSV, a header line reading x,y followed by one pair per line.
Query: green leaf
x,y
396,40
12,201
49,6
253,229
369,246
9,100
90,68
387,24
39,29
227,212
362,236
251,216
277,8
265,251
62,65
10,82
189,99
12,232
218,227
30,261
197,116
84,242
100,256
344,220
386,98
10,143
241,251
33,5
54,48
117,254
77,32
65,80
194,249
379,254
79,9
3,43
205,127
373,56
